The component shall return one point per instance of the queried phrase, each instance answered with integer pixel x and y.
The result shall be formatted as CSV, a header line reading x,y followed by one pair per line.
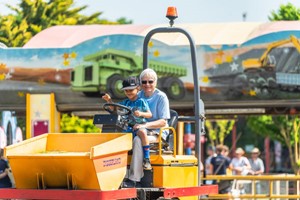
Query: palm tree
x,y
34,16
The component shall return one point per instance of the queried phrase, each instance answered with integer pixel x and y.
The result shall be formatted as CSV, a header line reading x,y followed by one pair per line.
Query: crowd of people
x,y
218,162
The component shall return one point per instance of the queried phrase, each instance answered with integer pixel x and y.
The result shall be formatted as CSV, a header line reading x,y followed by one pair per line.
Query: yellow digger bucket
x,y
71,161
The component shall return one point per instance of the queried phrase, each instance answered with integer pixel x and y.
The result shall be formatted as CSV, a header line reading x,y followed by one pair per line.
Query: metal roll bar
x,y
198,112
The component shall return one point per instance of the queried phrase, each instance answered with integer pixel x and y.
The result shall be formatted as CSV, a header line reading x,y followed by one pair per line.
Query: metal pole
x,y
188,130
195,78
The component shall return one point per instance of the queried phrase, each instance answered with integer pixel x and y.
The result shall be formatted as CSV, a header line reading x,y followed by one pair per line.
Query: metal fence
x,y
271,186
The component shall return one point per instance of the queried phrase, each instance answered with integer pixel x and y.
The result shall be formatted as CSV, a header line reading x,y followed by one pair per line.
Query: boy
x,y
140,109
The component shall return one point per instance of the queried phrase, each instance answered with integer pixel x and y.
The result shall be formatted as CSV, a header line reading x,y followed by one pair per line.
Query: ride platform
x,y
125,193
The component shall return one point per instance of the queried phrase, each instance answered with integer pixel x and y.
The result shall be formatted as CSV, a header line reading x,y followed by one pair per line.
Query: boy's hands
x,y
137,113
107,98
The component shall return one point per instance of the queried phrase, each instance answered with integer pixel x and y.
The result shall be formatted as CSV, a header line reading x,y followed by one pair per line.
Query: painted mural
x,y
265,67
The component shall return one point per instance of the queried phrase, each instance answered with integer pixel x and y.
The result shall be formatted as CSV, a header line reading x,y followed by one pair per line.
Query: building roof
x,y
203,33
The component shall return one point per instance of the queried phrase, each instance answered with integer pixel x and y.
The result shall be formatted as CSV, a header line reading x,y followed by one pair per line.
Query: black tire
x,y
240,82
236,88
113,86
160,82
173,87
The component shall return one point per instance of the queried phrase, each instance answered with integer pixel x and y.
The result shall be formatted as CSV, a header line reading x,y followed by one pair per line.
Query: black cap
x,y
131,83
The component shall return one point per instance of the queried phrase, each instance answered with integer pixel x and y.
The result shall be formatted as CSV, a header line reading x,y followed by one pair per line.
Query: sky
x,y
189,11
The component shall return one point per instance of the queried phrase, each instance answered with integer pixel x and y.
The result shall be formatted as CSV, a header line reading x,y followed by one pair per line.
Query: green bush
x,y
74,124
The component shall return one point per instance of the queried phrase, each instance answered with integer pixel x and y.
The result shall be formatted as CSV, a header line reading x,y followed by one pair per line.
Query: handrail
x,y
253,179
160,140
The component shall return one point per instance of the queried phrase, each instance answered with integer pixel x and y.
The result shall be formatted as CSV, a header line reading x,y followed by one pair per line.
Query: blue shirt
x,y
220,164
139,104
159,107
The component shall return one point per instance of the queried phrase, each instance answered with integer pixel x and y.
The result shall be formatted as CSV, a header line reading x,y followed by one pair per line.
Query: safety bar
x,y
160,140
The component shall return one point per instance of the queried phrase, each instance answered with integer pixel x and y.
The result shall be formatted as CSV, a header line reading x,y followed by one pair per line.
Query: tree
x,y
218,130
282,128
286,12
13,33
34,16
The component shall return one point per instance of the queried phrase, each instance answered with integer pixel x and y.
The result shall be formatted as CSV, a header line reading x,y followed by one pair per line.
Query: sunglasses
x,y
150,82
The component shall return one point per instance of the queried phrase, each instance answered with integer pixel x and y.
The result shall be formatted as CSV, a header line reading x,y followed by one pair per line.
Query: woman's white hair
x,y
149,73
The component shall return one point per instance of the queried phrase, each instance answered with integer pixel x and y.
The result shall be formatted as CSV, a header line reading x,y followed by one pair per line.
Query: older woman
x,y
240,164
159,107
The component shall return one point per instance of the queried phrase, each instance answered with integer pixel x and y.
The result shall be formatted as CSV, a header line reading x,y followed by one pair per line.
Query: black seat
x,y
173,119
172,123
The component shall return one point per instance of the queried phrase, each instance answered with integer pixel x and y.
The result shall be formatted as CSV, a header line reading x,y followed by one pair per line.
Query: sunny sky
x,y
189,11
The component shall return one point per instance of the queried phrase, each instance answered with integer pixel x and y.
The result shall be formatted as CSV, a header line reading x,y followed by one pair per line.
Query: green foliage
x,y
13,32
73,124
280,128
283,128
263,125
123,20
286,12
218,130
33,16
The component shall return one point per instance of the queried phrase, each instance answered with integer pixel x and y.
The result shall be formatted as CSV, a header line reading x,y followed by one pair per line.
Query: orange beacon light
x,y
172,14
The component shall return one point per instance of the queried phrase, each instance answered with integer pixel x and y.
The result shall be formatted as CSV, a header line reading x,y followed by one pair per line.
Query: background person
x,y
4,170
225,153
210,151
159,107
257,167
240,165
218,166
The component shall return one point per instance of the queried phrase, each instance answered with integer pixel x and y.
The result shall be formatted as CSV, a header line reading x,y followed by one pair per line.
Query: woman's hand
x,y
238,169
138,126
